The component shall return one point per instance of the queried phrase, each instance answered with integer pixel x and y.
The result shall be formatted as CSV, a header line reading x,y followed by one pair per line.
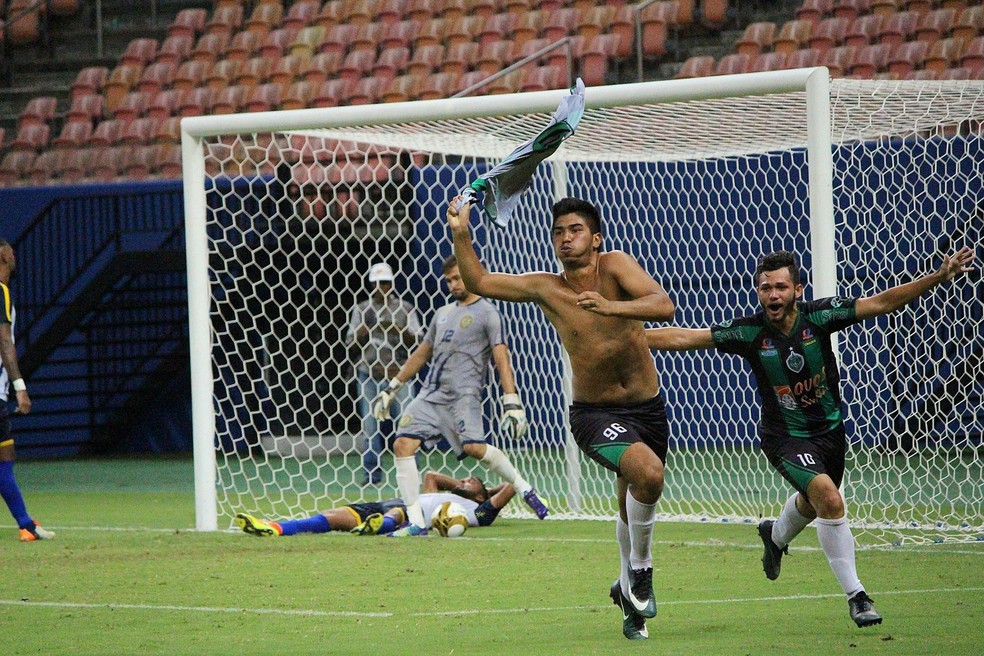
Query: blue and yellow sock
x,y
12,495
315,524
389,524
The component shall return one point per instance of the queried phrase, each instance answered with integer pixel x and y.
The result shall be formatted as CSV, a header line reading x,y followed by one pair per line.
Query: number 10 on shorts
x,y
806,459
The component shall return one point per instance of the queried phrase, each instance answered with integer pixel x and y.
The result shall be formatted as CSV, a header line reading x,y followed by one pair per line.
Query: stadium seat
x,y
815,10
156,77
107,133
713,13
545,78
686,12
391,62
230,100
73,166
969,23
87,109
508,83
908,56
851,9
959,73
16,167
944,54
401,88
357,64
623,24
839,60
73,134
451,9
425,60
437,85
367,36
526,27
196,101
935,25
140,161
806,58
884,7
359,12
918,6
210,47
275,43
756,38
516,6
188,22
332,92
734,63
138,131
769,61
264,18
921,75
460,59
90,80
494,57
421,10
391,11
462,30
562,23
870,60
253,72
139,52
656,20
330,14
300,15
121,81
263,98
107,163
337,39
321,67
973,56
594,58
222,73
31,137
595,20
828,33
397,34
532,47
700,66
793,35
298,95
167,130
175,49
225,20
307,41
39,110
898,27
863,30
244,45
168,162
367,90
429,33
163,104
287,70
496,28
44,167
26,28
132,106
468,80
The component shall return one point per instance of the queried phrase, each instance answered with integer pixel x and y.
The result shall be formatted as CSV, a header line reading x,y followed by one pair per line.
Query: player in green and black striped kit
x,y
788,347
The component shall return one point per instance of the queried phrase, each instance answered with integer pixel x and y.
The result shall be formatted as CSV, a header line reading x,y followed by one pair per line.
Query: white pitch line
x,y
450,613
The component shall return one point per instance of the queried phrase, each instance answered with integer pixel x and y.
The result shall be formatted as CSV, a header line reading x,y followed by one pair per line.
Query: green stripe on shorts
x,y
801,475
613,452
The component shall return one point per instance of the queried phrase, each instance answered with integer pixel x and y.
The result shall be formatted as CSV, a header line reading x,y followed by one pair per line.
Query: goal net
x,y
870,181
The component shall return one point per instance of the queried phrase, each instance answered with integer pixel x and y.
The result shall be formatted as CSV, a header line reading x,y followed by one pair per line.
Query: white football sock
x,y
789,524
642,517
408,482
838,544
499,462
624,551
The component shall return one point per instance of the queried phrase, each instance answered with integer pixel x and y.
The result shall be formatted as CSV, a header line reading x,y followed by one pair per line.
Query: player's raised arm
x,y
896,297
679,339
502,286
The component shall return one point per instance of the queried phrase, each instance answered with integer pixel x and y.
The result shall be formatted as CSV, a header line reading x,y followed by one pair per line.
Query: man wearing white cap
x,y
381,332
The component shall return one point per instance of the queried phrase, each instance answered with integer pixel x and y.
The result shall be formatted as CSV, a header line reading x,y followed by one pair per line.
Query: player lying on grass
x,y
802,433
482,506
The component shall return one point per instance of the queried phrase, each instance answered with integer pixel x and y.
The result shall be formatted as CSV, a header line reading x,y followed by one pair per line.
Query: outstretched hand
x,y
959,262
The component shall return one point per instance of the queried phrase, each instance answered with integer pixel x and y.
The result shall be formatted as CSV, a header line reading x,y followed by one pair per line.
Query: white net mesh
x,y
697,191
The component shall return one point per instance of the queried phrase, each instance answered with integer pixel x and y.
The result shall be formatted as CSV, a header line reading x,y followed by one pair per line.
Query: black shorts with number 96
x,y
604,432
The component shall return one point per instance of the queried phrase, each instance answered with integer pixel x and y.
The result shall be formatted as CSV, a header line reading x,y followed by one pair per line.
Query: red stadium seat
x,y
401,88
367,36
156,77
16,167
357,64
756,38
733,63
494,57
398,34
595,20
806,58
321,67
337,39
287,70
863,30
107,163
526,27
229,100
973,56
944,54
391,11
253,72
301,14
191,74
133,106
139,52
437,85
90,80
39,110
210,47
839,60
107,133
275,43
298,95
870,60
196,102
140,161
167,130
884,7
86,109
31,137
969,23
264,98
851,8
189,22
700,66
244,45
657,19
908,56
935,25
121,81
544,78
815,10
138,131
563,22
769,61
175,49
168,162
264,18
307,41
595,59
898,27
793,35
73,134
391,62
222,73
225,20
332,92
829,33
497,28
460,59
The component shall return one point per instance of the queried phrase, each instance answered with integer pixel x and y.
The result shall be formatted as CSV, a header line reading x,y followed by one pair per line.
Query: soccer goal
x,y
871,181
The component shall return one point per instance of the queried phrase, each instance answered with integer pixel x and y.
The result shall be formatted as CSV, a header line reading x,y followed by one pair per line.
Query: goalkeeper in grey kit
x,y
458,343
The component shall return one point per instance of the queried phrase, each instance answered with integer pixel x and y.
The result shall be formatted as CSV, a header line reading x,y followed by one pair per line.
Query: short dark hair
x,y
779,260
582,208
450,263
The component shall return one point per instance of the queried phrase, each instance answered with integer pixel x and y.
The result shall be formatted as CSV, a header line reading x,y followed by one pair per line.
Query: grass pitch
x,y
127,575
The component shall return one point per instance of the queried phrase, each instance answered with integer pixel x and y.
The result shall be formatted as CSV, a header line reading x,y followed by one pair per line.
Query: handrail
x,y
565,42
5,65
637,17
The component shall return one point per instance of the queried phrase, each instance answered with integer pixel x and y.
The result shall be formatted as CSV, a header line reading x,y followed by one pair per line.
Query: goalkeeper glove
x,y
514,423
381,404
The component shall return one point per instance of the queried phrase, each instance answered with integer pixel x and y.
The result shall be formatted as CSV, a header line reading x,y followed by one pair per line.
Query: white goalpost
x,y
870,181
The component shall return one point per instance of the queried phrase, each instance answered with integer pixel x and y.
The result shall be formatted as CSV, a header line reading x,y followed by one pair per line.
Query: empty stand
x,y
301,14
898,27
793,35
164,104
244,45
167,130
188,22
298,95
756,38
863,30
107,133
31,137
197,101
39,110
829,33
139,52
175,49
906,57
73,135
700,66
86,109
90,80
944,54
815,10
132,106
870,60
264,98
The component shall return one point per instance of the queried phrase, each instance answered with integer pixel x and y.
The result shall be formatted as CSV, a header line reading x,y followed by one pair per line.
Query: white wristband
x,y
395,384
511,399
19,385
